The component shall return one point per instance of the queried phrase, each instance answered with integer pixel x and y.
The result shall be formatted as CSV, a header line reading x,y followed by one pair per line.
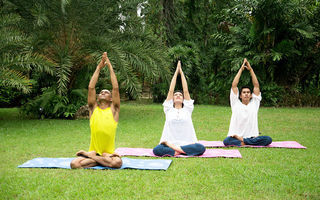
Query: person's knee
x,y
116,162
75,164
158,150
230,141
226,141
201,148
268,140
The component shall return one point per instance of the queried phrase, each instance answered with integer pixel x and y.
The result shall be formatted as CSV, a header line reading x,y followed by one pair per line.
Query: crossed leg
x,y
91,159
239,138
240,141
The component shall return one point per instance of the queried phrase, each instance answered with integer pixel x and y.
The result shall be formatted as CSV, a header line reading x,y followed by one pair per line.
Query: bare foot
x,y
164,143
82,153
92,153
176,153
115,155
239,138
117,161
106,155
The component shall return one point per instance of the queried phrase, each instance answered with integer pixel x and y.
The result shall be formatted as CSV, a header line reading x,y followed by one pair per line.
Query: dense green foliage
x,y
280,39
17,59
49,49
73,42
264,173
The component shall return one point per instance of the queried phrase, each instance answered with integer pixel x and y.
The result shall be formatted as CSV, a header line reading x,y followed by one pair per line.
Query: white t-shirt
x,y
178,128
244,119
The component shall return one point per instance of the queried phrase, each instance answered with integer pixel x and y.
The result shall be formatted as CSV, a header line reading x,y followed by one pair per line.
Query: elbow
x,y
234,84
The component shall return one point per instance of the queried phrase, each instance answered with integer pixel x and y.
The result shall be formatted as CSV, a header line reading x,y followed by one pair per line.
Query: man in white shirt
x,y
243,128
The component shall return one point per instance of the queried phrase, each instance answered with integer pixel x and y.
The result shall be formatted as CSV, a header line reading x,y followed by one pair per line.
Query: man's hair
x,y
107,90
244,87
97,95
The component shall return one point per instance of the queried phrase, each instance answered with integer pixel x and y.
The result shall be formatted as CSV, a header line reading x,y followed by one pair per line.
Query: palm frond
x,y
15,79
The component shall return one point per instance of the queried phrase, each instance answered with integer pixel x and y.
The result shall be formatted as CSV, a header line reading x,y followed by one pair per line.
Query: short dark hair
x,y
244,87
179,91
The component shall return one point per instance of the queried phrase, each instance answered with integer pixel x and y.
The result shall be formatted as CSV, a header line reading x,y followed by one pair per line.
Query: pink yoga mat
x,y
283,144
209,153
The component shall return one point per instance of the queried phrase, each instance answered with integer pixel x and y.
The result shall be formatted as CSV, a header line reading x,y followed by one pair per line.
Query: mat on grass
x,y
283,144
127,163
209,153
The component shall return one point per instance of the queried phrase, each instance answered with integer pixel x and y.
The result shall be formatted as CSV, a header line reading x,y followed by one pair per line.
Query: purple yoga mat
x,y
283,144
209,153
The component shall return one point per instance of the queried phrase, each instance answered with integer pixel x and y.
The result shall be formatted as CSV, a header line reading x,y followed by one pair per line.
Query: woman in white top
x,y
178,136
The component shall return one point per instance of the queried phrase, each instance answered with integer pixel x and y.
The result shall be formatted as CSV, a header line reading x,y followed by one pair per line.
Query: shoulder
x,y
234,97
257,97
168,103
188,102
188,105
234,92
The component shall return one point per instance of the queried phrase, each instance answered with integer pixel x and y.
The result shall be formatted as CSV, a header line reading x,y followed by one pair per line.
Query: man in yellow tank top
x,y
104,117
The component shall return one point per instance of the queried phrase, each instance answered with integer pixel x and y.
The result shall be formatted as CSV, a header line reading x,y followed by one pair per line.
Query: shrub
x,y
272,94
52,105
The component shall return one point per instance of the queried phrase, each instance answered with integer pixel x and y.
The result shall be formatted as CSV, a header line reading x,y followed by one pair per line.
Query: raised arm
x,y
172,85
255,82
92,84
236,79
115,106
184,83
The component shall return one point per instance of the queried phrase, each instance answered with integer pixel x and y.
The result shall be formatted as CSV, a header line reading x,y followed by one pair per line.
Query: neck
x,y
104,104
245,102
178,105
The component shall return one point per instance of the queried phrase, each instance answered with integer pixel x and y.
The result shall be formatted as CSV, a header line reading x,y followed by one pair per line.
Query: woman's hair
x,y
179,91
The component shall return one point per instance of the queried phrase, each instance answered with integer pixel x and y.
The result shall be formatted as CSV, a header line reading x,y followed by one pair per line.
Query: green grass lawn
x,y
264,173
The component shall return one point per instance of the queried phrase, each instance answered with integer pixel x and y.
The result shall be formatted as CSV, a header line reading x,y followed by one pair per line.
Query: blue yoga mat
x,y
127,163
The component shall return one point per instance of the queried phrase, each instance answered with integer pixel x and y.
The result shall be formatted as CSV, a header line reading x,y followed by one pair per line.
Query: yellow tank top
x,y
103,131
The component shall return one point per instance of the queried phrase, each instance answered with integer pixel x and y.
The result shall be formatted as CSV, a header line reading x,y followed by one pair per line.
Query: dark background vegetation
x,y
49,50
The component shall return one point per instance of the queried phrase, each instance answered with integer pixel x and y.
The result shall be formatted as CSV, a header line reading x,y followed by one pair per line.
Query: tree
x,y
73,35
16,57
